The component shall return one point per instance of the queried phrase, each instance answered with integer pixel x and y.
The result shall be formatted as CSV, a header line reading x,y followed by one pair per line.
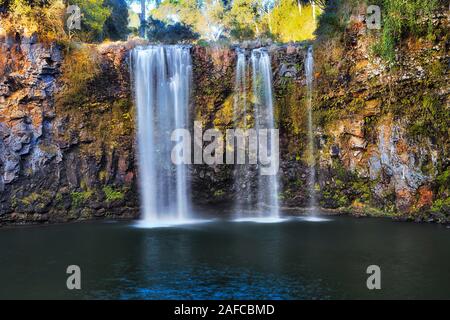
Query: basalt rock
x,y
56,161
66,158
377,152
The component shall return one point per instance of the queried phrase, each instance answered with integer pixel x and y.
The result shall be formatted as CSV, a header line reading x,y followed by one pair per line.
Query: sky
x,y
136,6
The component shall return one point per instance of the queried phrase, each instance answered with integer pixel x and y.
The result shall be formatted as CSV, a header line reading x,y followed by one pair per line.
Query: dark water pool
x,y
296,259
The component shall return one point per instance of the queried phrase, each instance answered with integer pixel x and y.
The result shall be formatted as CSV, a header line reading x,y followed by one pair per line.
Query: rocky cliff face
x,y
60,159
213,103
381,133
67,140
383,130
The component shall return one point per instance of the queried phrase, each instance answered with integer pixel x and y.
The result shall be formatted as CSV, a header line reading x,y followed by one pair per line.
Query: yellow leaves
x,y
47,22
81,65
225,115
287,23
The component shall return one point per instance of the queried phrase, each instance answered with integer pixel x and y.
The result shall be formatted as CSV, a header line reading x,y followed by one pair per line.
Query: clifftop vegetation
x,y
400,20
283,20
47,19
165,21
375,90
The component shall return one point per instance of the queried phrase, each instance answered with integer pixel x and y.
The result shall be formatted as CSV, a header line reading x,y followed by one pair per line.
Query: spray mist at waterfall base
x,y
163,223
207,216
261,220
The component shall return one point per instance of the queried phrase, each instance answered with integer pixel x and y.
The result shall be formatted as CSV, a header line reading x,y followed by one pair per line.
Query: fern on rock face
x,y
401,19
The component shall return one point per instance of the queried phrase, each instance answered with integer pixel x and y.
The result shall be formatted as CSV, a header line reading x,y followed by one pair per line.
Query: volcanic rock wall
x,y
67,149
59,159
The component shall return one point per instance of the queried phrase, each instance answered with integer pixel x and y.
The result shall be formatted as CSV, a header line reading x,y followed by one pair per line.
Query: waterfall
x,y
309,74
240,94
242,172
266,190
264,119
162,80
250,185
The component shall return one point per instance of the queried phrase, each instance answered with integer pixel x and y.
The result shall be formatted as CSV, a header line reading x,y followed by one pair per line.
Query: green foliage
x,y
159,31
171,20
443,180
99,19
401,19
116,25
286,22
79,198
93,18
112,194
335,18
27,17
429,118
346,189
37,200
134,22
243,19
282,20
441,207
80,67
206,20
219,193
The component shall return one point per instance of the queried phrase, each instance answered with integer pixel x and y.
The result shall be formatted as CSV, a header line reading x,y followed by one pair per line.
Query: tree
x,y
43,18
116,25
143,21
93,18
213,13
288,24
242,19
187,12
160,31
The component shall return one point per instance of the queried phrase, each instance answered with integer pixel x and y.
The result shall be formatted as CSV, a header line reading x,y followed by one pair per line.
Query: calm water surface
x,y
295,259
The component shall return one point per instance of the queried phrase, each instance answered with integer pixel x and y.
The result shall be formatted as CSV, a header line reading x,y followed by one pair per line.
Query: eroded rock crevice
x,y
68,155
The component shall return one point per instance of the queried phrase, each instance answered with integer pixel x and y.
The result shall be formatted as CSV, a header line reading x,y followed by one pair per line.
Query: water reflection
x,y
295,259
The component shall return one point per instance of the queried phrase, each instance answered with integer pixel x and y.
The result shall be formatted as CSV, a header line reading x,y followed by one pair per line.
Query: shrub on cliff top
x,y
100,19
116,25
401,19
40,17
288,23
81,66
93,17
335,18
160,31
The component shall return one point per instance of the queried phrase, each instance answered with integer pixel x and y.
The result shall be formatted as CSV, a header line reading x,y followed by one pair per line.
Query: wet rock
x,y
334,151
49,167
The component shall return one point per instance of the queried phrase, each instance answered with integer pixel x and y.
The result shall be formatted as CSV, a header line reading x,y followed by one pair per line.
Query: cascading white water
x,y
264,119
242,172
309,75
162,80
240,88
